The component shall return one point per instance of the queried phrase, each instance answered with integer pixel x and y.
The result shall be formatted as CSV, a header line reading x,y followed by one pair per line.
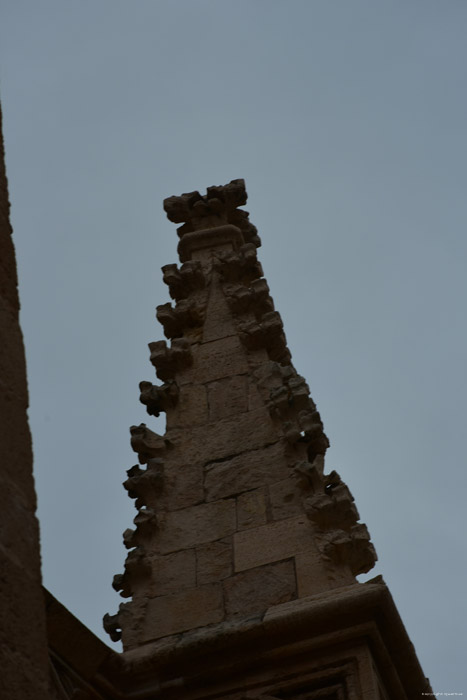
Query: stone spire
x,y
235,511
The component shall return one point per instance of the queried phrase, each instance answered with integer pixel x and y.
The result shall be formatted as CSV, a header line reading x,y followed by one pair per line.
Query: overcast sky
x,y
348,121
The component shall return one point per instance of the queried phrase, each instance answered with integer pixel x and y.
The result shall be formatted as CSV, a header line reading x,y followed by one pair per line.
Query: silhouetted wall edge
x,y
23,641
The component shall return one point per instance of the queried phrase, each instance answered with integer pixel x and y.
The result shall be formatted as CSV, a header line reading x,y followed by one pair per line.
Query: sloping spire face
x,y
235,512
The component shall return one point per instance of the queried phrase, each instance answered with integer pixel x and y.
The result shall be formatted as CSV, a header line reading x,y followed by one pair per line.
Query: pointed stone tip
x,y
218,207
182,208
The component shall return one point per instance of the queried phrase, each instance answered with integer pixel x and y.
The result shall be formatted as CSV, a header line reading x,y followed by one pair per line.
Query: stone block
x,y
285,498
129,619
219,322
246,471
227,397
183,611
191,409
173,572
22,677
22,614
207,257
214,561
258,589
200,524
15,438
251,509
183,486
19,527
314,575
255,400
228,437
217,359
272,542
208,241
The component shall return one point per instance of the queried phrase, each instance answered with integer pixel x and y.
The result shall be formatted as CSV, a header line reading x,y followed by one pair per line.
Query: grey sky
x,y
348,122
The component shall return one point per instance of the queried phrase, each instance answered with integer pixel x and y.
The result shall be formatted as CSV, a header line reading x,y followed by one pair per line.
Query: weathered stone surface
x,y
219,322
158,398
256,358
269,376
182,611
229,437
227,397
353,548
254,299
267,333
217,359
172,573
256,590
206,243
23,640
239,266
192,407
184,281
146,443
272,542
183,486
215,209
251,509
285,498
333,505
186,528
214,561
187,315
314,575
145,484
112,626
19,532
135,576
309,475
130,620
246,471
218,201
146,521
169,361
255,399
205,246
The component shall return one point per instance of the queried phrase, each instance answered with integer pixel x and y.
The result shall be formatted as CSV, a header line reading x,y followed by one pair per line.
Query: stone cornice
x,y
195,663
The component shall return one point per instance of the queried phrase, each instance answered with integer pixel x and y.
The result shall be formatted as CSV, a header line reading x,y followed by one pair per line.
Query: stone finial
x,y
235,511
218,207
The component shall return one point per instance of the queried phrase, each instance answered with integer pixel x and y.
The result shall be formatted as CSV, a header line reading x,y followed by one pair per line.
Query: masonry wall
x,y
23,644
